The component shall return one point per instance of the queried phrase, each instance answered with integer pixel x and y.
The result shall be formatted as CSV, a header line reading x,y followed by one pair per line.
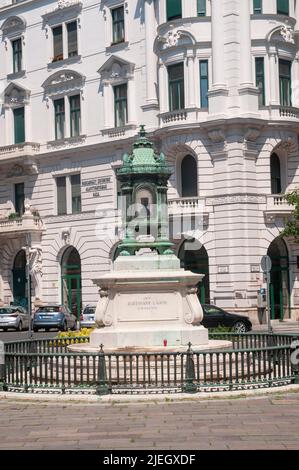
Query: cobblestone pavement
x,y
270,422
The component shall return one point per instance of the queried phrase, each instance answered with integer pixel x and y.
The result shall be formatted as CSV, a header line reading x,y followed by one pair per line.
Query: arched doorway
x,y
197,261
279,279
19,279
189,177
71,280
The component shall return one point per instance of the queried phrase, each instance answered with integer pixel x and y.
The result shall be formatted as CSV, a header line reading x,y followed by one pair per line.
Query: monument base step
x,y
149,337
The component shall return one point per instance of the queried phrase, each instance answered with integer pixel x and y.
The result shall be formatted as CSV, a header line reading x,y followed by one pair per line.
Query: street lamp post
x,y
28,277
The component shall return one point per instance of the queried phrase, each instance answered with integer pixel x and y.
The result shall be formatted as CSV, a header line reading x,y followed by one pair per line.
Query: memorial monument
x,y
147,300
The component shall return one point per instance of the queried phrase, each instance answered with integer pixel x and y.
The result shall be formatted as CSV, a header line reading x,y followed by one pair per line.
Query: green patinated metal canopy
x,y
143,180
143,159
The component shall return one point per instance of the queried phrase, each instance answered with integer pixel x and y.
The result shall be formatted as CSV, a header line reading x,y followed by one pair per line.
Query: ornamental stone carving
x,y
115,70
66,3
13,25
15,95
63,82
288,34
172,38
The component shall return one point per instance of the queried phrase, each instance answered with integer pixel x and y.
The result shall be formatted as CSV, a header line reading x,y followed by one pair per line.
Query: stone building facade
x,y
216,83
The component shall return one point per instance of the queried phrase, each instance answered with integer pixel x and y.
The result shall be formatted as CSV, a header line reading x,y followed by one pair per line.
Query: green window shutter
x,y
257,7
176,86
285,84
174,9
260,79
118,25
17,55
61,195
19,125
59,111
75,115
57,43
204,83
72,39
201,8
283,7
76,193
120,105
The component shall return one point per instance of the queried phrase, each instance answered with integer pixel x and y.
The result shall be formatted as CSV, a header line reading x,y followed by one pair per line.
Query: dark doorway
x,y
71,281
197,261
19,279
279,281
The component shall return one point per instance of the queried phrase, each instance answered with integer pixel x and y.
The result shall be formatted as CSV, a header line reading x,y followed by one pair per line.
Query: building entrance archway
x,y
279,280
71,281
197,261
20,295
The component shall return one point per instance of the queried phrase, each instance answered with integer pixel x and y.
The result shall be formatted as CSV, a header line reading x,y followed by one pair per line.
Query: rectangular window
x,y
204,83
283,7
201,8
120,105
72,39
59,111
176,87
61,195
76,193
118,25
285,84
19,125
260,79
19,199
57,44
17,55
257,7
75,115
174,9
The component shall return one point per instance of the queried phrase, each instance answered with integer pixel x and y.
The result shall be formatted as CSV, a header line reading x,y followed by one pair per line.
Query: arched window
x,y
275,174
189,177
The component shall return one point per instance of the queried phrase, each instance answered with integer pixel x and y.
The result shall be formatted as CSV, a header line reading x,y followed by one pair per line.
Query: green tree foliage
x,y
292,227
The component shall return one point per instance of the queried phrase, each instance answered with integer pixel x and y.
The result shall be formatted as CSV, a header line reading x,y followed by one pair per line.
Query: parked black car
x,y
214,316
53,316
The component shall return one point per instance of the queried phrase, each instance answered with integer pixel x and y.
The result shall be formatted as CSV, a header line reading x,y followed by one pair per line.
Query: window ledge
x,y
64,62
67,141
118,131
117,46
16,75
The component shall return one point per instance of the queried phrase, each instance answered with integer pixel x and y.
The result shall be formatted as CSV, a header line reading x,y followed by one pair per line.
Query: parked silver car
x,y
13,317
87,318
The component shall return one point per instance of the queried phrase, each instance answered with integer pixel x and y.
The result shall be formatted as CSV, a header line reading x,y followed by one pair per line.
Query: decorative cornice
x,y
65,10
15,95
62,82
13,25
115,70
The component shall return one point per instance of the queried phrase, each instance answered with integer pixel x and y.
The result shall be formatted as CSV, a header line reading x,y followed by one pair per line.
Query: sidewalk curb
x,y
156,398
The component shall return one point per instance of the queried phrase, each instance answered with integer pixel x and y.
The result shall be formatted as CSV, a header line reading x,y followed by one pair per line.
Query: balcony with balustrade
x,y
18,152
15,225
192,207
277,207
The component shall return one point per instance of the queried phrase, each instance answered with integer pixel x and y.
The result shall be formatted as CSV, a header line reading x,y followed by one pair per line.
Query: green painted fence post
x,y
189,385
102,387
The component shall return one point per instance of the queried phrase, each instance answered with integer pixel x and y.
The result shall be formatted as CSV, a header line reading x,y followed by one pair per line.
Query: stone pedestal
x,y
148,301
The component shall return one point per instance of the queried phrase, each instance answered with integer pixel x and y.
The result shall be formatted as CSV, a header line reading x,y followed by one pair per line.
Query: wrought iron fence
x,y
255,360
